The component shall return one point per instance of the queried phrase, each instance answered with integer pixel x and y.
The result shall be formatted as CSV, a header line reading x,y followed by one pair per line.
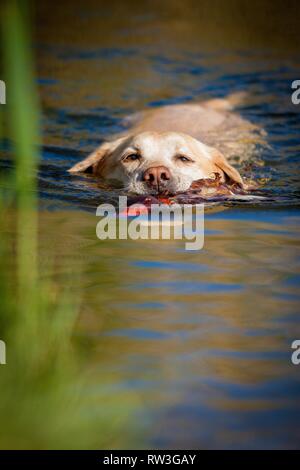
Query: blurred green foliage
x,y
44,401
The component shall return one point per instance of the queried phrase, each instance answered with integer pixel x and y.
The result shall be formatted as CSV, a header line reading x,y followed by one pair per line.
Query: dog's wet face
x,y
161,163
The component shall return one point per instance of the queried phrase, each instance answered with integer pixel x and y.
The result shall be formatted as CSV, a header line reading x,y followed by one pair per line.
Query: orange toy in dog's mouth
x,y
203,190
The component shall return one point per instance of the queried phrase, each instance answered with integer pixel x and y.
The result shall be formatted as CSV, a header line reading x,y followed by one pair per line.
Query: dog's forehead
x,y
151,142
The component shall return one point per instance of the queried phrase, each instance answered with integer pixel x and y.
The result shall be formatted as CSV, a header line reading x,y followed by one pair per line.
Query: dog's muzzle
x,y
157,178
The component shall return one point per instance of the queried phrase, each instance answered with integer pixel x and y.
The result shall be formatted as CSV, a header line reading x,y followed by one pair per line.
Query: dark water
x,y
203,338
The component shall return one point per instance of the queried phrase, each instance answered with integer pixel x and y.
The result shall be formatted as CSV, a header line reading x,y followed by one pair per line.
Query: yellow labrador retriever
x,y
166,149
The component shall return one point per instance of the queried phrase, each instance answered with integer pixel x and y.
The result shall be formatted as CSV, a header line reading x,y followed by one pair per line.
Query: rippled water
x,y
203,338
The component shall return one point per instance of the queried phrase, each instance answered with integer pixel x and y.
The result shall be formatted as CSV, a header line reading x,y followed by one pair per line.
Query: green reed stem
x,y
24,131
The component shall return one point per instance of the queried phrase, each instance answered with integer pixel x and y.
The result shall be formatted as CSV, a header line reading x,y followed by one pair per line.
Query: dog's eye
x,y
132,157
184,159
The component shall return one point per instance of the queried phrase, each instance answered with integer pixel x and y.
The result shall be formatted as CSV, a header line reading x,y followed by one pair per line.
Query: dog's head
x,y
154,163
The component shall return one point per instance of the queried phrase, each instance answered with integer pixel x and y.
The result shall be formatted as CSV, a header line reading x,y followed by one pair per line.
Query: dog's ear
x,y
95,161
229,171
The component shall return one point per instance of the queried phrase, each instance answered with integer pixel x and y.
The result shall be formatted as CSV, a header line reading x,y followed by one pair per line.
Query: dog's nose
x,y
156,176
